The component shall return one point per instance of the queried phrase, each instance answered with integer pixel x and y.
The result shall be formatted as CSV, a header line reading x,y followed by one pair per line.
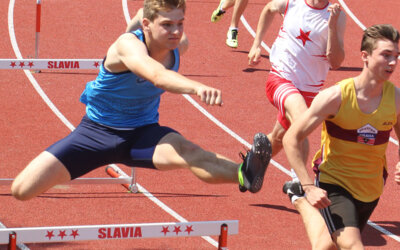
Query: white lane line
x,y
348,11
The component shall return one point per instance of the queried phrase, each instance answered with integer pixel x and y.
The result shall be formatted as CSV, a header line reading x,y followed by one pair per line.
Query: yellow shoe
x,y
217,13
231,38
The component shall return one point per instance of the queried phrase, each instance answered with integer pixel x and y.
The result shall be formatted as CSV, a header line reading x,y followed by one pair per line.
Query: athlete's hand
x,y
254,55
209,96
397,173
335,10
317,197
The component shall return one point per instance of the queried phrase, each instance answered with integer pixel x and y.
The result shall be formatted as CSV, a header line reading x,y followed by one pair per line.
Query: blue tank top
x,y
123,100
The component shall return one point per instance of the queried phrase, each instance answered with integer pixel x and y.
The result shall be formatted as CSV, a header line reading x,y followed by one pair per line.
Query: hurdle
x,y
118,177
13,236
79,181
51,64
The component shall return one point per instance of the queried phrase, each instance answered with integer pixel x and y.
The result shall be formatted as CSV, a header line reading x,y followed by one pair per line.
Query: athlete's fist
x,y
209,96
335,10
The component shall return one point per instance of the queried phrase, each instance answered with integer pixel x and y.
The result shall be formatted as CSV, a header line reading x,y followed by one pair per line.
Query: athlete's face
x,y
167,28
383,59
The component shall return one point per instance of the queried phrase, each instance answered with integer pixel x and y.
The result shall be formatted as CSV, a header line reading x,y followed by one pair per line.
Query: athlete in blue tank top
x,y
121,121
123,100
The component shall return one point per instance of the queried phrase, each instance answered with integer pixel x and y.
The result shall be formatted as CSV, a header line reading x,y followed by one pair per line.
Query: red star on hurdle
x,y
304,36
21,64
177,230
49,234
165,230
30,64
13,64
62,234
74,233
189,229
96,64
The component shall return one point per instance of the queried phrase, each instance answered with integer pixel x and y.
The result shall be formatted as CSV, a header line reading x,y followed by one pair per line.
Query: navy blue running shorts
x,y
345,211
92,145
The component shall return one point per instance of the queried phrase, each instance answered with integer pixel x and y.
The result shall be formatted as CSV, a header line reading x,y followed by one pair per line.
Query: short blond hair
x,y
151,8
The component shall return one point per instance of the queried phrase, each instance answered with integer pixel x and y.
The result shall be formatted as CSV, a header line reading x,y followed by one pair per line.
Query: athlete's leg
x,y
348,238
315,226
227,4
239,8
174,151
275,137
294,106
219,12
89,146
44,172
347,215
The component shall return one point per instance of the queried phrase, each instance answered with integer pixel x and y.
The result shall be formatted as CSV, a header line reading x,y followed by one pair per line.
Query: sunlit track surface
x,y
271,207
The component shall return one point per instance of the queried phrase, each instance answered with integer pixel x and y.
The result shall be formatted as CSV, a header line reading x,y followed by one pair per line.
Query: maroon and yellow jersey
x,y
353,144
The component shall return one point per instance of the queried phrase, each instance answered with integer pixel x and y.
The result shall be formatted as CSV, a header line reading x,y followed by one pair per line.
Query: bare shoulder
x,y
128,43
126,37
125,50
278,5
328,101
331,95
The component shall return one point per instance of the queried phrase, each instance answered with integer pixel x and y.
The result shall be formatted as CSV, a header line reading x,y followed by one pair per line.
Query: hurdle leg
x,y
12,242
38,17
131,188
223,238
37,34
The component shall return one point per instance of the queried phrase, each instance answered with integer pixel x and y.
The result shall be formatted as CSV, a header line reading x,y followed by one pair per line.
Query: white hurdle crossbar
x,y
120,231
51,64
105,180
116,178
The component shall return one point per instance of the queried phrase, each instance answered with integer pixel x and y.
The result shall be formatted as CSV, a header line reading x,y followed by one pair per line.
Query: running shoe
x,y
252,170
218,13
231,38
293,188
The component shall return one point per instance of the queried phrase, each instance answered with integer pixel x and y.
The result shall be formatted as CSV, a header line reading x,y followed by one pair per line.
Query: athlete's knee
x,y
44,172
192,153
320,244
348,241
19,191
276,139
174,151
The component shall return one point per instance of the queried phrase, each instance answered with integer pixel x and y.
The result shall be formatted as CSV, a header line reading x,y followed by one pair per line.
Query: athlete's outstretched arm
x,y
134,55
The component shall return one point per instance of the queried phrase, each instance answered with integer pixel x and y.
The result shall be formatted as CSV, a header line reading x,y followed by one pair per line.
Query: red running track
x,y
85,29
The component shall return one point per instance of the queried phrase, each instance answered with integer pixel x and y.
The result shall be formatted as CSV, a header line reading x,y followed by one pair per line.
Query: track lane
x,y
245,101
